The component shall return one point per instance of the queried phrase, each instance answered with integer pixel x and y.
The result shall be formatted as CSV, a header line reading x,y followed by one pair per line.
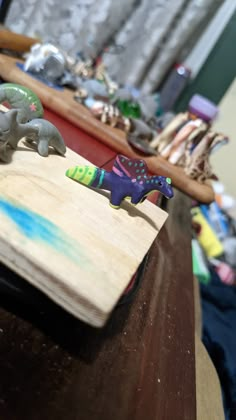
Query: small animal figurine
x,y
141,145
5,123
94,88
140,129
10,132
111,115
128,178
149,104
102,76
23,99
45,134
90,88
46,60
84,69
39,130
197,164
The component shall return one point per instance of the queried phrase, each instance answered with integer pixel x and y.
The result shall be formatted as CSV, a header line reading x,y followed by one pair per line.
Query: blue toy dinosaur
x,y
128,178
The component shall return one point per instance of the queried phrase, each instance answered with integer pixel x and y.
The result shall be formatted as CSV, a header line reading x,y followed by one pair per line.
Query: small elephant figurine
x,y
38,130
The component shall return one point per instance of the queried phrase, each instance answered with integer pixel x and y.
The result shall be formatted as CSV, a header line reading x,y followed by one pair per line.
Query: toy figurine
x,y
23,99
128,178
90,88
148,104
142,145
39,130
25,120
141,130
197,163
111,115
45,134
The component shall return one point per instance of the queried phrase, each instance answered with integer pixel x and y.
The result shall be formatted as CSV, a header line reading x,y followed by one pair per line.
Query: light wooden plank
x,y
82,253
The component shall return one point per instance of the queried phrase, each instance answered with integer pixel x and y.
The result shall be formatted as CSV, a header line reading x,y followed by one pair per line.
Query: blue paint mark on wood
x,y
37,228
29,223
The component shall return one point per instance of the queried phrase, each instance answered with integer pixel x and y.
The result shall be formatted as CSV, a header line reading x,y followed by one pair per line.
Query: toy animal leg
x,y
58,144
136,200
116,199
3,154
43,147
32,134
13,143
47,135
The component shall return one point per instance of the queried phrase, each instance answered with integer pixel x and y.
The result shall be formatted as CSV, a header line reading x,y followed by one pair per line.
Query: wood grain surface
x,y
62,102
139,366
16,42
65,238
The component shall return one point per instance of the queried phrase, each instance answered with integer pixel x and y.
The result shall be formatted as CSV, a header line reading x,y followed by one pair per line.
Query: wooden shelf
x,y
62,102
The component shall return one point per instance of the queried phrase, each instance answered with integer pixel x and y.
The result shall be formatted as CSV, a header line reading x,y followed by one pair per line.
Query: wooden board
x,y
65,239
62,102
142,355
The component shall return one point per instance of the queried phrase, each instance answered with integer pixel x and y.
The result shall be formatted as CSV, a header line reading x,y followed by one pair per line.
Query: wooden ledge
x,y
62,102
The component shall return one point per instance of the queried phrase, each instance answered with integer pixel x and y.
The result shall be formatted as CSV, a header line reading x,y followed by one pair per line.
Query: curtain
x,y
139,40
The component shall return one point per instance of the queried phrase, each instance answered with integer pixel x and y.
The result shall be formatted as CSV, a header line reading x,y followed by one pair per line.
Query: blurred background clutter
x,y
138,40
162,72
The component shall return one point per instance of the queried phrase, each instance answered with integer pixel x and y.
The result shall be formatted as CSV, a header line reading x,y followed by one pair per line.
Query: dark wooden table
x,y
141,365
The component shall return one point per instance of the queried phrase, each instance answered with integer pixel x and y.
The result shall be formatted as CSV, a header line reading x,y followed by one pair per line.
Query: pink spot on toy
x,y
32,107
134,180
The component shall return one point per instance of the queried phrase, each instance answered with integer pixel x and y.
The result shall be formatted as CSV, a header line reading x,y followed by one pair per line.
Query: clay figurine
x,y
197,164
128,178
47,61
140,129
23,99
140,135
45,134
141,145
111,115
149,104
39,130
